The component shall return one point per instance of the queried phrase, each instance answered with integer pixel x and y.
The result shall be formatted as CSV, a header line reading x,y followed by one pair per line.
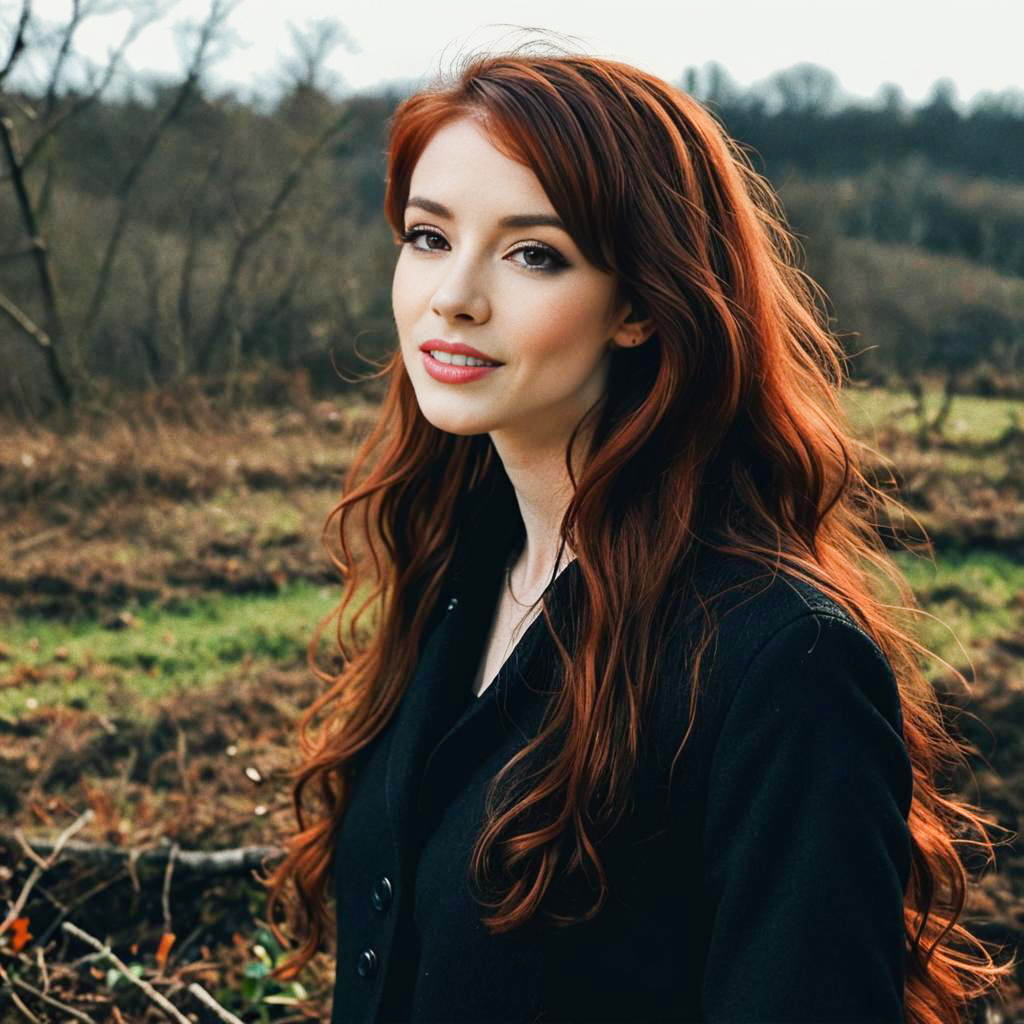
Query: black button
x,y
367,963
381,893
452,603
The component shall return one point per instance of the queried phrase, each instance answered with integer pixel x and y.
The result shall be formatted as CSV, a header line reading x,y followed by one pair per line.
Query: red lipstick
x,y
447,372
456,347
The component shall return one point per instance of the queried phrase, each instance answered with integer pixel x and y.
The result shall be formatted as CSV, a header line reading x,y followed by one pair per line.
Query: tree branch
x,y
22,320
17,254
188,263
54,329
218,12
19,40
253,235
62,55
114,58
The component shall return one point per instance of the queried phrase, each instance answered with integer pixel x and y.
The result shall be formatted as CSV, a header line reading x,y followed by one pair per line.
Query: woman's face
x,y
519,293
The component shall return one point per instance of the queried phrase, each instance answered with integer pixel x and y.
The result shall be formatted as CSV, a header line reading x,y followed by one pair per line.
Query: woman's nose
x,y
461,295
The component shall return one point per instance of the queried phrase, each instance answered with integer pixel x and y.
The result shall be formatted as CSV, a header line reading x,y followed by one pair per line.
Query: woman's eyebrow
x,y
518,220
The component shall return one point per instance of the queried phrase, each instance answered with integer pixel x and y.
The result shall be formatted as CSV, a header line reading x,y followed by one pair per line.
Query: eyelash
x,y
559,262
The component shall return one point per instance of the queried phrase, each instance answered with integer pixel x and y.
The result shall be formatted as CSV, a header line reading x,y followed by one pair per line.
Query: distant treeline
x,y
177,231
799,117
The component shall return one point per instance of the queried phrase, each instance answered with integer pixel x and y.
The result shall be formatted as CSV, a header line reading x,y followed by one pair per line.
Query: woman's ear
x,y
634,328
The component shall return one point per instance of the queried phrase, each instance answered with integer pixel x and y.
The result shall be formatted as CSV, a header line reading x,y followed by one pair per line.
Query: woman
x,y
636,737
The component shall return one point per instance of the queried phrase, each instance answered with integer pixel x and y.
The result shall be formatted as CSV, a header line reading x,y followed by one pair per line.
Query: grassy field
x,y
971,599
155,653
160,583
119,665
972,418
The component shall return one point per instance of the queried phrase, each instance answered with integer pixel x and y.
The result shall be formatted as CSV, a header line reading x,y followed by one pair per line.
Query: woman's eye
x,y
414,233
536,257
542,252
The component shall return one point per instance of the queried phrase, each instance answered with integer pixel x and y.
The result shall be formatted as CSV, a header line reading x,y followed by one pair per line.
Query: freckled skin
x,y
552,330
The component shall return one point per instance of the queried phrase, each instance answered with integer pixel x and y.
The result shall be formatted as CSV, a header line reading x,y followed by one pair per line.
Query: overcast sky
x,y
865,42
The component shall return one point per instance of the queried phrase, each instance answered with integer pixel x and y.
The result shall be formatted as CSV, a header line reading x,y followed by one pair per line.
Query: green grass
x,y
992,580
202,644
211,641
971,417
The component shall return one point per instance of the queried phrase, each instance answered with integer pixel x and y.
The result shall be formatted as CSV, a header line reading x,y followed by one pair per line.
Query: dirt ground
x,y
97,526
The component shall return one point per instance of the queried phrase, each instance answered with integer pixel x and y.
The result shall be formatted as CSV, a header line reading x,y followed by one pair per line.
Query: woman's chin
x,y
465,426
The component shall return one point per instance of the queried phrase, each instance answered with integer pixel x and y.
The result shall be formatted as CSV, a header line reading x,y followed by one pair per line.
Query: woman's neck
x,y
542,492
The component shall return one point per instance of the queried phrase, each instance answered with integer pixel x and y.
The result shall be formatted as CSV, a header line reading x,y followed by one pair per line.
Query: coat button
x,y
452,603
367,963
381,893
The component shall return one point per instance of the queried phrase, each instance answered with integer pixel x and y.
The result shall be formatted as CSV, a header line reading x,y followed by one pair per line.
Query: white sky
x,y
864,42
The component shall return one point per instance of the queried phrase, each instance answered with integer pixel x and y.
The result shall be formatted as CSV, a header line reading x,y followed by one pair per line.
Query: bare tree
x,y
66,336
806,89
249,238
49,336
61,349
218,12
312,46
712,85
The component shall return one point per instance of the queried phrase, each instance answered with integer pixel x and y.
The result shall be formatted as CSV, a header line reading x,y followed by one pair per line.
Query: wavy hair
x,y
724,430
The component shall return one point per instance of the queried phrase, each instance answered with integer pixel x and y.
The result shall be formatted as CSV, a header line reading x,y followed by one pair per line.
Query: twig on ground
x,y
204,997
43,973
186,782
85,960
28,851
16,999
200,862
133,868
167,888
67,911
161,1000
37,871
181,948
48,999
27,544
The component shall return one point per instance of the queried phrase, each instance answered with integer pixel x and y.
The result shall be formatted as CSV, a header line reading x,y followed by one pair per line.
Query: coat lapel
x,y
515,700
441,728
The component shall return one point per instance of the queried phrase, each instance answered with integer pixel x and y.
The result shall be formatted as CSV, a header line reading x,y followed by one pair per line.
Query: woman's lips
x,y
450,374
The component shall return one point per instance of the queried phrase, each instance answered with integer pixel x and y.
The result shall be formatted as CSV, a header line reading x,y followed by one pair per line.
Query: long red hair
x,y
724,429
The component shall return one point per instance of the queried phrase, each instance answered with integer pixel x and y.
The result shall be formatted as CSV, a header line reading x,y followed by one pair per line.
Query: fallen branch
x,y
165,1004
161,1000
39,868
204,997
197,862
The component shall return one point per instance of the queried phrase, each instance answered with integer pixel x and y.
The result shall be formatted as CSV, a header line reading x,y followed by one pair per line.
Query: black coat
x,y
766,884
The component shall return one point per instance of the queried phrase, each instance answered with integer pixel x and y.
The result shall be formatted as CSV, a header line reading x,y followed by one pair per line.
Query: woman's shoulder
x,y
750,601
767,622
